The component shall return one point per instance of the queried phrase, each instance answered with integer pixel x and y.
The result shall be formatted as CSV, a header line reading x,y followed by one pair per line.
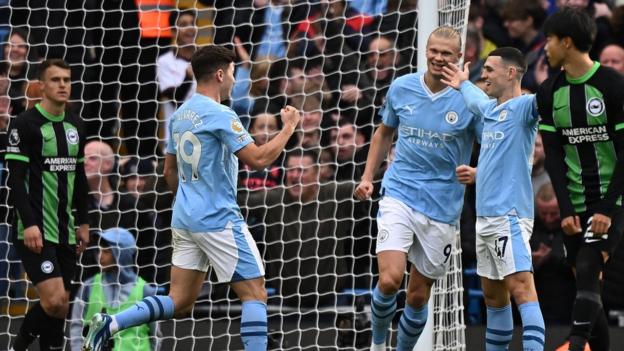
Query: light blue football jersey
x,y
506,158
204,135
436,134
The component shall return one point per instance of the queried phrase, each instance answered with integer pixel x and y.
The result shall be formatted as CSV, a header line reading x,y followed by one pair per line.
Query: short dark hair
x,y
176,14
523,9
573,23
511,56
49,63
312,153
210,58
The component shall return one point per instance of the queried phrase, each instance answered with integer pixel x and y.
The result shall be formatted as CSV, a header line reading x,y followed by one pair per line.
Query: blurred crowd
x,y
334,61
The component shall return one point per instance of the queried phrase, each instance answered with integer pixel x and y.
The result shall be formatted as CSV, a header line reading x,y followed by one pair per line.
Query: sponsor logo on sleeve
x,y
14,137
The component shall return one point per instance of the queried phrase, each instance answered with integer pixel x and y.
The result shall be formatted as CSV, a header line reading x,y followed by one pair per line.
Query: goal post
x,y
319,255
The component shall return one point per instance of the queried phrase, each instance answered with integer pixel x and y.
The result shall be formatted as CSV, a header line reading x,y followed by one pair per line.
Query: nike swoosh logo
x,y
581,323
559,108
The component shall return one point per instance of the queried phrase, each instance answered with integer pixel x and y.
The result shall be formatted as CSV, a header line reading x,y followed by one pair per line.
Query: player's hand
x,y
600,224
33,239
571,225
364,190
453,76
82,236
243,55
540,255
466,174
290,116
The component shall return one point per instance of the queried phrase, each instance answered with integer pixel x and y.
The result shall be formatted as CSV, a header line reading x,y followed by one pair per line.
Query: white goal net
x,y
333,60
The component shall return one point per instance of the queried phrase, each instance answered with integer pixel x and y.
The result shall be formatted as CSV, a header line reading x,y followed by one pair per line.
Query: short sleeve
x,y
388,117
531,114
232,133
19,141
170,149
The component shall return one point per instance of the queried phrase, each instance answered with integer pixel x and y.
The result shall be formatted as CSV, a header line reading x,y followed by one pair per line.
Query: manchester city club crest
x,y
502,116
451,117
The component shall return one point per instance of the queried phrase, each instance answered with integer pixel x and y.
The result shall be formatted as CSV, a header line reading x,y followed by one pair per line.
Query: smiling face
x,y
185,30
16,50
301,174
496,75
440,51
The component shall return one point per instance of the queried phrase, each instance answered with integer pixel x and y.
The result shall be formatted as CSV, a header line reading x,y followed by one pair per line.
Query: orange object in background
x,y
154,18
566,345
33,93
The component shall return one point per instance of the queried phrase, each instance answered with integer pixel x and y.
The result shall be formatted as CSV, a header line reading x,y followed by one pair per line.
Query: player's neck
x,y
210,91
434,85
577,64
509,94
52,107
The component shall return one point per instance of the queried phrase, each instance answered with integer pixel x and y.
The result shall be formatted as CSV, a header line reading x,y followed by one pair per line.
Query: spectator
x,y
22,66
351,154
523,20
472,54
251,82
539,176
173,68
308,227
116,288
110,208
613,56
554,280
383,65
263,128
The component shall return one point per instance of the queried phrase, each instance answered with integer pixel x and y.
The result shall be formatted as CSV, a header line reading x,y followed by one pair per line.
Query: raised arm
x,y
260,157
476,100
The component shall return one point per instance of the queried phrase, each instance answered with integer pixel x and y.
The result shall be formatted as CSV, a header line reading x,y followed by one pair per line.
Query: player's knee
x,y
55,305
417,298
388,284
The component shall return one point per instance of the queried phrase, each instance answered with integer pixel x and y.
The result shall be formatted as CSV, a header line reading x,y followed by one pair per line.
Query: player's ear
x,y
220,75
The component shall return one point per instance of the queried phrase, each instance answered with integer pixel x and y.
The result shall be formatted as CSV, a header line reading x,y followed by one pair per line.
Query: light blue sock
x,y
151,308
254,326
383,308
411,325
533,326
499,328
